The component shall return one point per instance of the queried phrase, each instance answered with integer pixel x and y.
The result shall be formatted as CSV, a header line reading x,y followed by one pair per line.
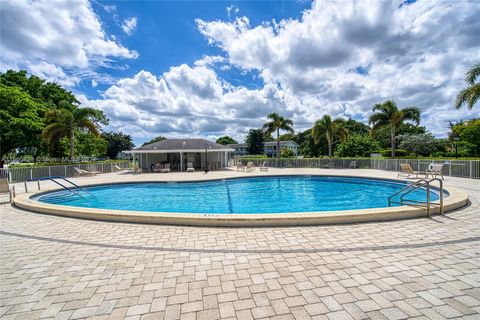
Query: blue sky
x,y
213,68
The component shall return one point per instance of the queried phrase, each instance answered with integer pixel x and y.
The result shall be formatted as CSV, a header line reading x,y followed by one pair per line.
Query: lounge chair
x,y
331,165
250,167
158,168
136,170
406,170
240,167
190,167
81,172
166,168
117,168
435,170
263,167
352,165
4,188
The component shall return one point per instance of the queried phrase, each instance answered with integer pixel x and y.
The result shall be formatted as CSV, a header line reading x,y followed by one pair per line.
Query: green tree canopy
x,y
332,130
423,144
226,140
468,133
388,114
276,124
356,127
156,139
21,120
357,145
470,95
116,143
382,135
255,142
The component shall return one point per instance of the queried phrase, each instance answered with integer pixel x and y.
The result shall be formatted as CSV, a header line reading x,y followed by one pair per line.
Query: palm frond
x,y
473,74
412,113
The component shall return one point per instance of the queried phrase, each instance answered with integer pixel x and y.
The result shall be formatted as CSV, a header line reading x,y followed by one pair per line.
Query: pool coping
x,y
455,200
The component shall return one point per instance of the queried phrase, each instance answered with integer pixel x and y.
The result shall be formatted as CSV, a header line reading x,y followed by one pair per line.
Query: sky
x,y
212,68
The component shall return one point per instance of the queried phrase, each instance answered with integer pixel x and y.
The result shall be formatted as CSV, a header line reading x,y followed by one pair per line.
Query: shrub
x,y
357,145
398,153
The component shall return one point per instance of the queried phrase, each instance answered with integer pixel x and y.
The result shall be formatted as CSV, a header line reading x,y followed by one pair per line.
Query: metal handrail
x,y
414,186
71,190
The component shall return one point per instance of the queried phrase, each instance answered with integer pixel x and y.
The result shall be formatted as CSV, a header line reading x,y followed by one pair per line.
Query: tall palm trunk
x,y
278,142
392,140
72,141
329,142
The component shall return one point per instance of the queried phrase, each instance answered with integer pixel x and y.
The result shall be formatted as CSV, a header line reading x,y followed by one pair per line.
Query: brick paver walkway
x,y
61,268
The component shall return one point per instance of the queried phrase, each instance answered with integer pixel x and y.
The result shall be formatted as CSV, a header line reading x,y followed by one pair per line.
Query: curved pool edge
x,y
455,200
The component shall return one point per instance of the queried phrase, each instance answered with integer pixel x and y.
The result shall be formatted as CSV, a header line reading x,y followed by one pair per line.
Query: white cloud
x,y
67,36
129,25
232,9
417,53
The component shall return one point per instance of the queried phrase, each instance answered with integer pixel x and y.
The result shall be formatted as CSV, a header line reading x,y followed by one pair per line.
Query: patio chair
x,y
157,168
331,165
435,170
190,167
263,167
352,165
5,188
250,167
240,167
81,172
136,169
166,168
406,170
117,168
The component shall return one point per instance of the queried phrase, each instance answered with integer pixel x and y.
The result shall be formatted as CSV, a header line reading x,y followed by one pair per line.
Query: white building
x,y
269,148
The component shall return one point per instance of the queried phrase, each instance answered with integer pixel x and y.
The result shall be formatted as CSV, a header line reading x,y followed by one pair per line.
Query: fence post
x,y
471,174
65,167
9,175
49,171
450,168
31,173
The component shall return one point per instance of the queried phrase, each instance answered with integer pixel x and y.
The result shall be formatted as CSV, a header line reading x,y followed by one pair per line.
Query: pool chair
x,y
406,170
117,168
352,165
190,167
331,165
250,167
81,172
136,170
5,189
157,168
435,170
240,167
166,168
263,167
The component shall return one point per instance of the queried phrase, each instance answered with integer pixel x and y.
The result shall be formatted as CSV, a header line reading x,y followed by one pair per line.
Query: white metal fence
x,y
455,168
23,174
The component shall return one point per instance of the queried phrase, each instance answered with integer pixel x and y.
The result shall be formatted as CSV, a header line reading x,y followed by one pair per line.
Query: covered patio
x,y
179,152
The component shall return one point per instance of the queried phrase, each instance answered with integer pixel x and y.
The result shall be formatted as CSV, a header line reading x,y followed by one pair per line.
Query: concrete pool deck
x,y
456,199
62,268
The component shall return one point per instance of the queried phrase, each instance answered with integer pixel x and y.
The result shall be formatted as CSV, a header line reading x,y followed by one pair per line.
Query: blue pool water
x,y
245,195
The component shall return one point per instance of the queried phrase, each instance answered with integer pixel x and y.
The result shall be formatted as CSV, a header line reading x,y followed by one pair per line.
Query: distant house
x,y
270,148
178,152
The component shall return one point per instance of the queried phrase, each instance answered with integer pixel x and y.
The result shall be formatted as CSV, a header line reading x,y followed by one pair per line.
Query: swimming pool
x,y
267,195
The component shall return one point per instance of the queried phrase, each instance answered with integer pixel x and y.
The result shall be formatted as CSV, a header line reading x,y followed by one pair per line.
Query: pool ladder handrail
x,y
414,186
53,179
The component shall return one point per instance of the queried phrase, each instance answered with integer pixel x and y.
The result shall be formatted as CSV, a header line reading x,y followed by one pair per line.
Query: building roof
x,y
266,144
180,145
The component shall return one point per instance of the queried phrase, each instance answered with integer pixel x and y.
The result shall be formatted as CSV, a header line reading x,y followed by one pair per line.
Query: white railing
x,y
23,174
455,168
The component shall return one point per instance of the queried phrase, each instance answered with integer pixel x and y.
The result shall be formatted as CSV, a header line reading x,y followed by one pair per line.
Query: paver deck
x,y
62,268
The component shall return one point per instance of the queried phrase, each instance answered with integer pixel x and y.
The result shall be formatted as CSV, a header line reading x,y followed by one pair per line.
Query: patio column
x,y
181,161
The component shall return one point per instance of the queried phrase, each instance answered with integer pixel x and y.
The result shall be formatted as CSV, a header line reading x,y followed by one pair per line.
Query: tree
x,y
307,145
156,139
420,144
389,115
117,142
67,118
329,129
21,120
87,144
255,141
356,127
226,140
357,145
468,133
382,135
287,153
471,94
278,123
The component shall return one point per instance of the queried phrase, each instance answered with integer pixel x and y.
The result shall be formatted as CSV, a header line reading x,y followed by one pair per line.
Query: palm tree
x,y
278,122
389,115
65,119
330,129
471,94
